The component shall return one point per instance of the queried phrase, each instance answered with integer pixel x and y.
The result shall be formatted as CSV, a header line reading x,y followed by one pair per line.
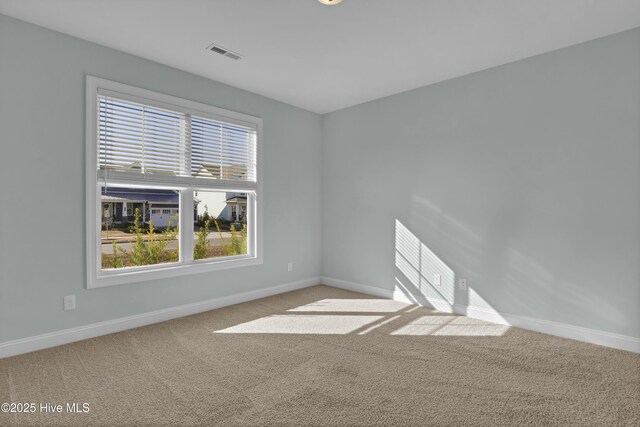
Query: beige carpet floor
x,y
324,356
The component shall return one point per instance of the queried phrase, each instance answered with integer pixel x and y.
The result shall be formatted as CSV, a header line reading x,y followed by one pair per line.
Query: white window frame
x,y
98,278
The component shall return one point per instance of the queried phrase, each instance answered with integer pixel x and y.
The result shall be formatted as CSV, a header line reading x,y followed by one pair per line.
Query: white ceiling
x,y
324,58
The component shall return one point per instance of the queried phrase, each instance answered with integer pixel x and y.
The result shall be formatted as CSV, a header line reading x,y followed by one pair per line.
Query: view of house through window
x,y
140,226
221,226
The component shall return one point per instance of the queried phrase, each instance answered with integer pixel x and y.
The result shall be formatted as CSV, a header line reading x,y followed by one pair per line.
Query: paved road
x,y
213,238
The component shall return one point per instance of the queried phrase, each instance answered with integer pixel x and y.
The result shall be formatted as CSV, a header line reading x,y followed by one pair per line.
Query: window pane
x,y
139,226
221,225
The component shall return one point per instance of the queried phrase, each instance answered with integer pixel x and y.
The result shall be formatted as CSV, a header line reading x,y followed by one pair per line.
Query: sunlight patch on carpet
x,y
353,305
302,324
451,326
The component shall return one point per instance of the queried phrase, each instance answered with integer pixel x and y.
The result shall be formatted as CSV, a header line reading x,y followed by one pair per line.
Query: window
x,y
218,233
198,164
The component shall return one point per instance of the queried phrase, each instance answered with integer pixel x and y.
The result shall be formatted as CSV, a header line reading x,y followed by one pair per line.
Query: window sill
x,y
115,277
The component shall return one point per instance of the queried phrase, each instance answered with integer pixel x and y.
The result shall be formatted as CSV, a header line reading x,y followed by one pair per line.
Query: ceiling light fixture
x,y
329,2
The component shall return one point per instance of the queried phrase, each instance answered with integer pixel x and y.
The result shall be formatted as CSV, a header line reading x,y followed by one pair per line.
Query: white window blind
x,y
222,150
158,142
139,138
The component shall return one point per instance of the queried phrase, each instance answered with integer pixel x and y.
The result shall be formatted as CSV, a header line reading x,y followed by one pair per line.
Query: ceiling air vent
x,y
224,52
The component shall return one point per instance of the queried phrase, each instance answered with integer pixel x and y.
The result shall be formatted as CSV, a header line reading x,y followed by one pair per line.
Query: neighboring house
x,y
159,206
236,209
229,206
231,172
155,205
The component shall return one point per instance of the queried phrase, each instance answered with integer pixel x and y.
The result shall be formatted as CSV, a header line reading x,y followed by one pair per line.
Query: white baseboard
x,y
438,304
39,342
357,287
563,330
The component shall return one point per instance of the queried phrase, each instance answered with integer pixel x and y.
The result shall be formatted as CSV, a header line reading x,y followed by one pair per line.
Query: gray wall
x,y
42,184
524,179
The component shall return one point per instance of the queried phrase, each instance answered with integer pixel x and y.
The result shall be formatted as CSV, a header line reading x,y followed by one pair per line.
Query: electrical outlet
x,y
462,284
290,266
69,302
437,279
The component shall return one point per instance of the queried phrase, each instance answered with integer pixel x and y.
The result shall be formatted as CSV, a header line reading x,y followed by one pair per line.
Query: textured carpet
x,y
324,356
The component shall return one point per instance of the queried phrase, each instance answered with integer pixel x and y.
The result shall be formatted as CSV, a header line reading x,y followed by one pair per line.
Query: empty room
x,y
319,212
